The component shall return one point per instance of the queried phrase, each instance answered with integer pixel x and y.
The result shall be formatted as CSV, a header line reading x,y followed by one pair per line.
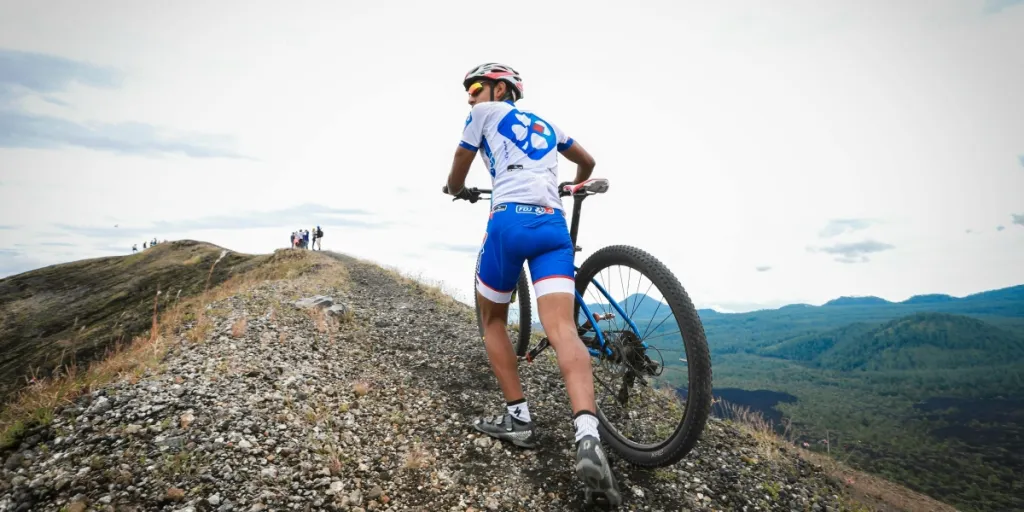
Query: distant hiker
x,y
305,239
135,248
143,246
317,235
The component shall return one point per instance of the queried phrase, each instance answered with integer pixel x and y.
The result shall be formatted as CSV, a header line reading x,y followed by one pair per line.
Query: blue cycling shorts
x,y
525,232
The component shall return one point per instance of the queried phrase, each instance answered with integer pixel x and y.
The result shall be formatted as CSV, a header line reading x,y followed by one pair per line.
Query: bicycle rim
x,y
653,392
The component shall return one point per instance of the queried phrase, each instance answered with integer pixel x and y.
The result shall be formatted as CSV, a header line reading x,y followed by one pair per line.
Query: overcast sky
x,y
768,152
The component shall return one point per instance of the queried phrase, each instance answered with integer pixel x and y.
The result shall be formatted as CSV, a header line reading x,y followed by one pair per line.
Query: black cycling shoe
x,y
593,469
507,428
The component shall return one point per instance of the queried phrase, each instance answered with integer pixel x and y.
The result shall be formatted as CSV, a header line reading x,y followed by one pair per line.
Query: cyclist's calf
x,y
556,314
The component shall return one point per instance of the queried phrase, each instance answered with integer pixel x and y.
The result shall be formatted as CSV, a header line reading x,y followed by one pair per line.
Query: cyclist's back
x,y
520,150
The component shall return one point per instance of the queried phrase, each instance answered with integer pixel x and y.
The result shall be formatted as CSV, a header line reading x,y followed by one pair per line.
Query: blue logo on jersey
x,y
469,119
529,133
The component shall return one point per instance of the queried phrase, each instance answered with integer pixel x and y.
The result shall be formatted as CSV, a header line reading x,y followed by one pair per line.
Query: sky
x,y
768,155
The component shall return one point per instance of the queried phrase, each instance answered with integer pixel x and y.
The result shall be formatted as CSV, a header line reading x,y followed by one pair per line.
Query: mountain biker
x,y
527,222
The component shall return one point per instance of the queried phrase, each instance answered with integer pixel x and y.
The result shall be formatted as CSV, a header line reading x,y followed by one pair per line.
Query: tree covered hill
x,y
756,331
914,342
923,391
750,332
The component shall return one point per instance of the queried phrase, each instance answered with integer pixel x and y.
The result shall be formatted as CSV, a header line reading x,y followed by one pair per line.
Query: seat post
x,y
575,226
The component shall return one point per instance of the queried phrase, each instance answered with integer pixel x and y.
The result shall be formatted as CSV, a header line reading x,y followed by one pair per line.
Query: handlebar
x,y
474,193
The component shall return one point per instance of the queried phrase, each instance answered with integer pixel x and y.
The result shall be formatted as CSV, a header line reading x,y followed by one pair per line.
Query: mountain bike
x,y
626,363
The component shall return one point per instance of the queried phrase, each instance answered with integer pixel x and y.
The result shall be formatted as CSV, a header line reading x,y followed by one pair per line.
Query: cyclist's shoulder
x,y
527,111
492,106
487,112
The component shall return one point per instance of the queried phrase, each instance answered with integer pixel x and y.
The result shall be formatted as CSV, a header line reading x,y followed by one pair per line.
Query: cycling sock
x,y
519,410
586,425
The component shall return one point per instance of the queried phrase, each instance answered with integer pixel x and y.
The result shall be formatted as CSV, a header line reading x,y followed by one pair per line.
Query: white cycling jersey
x,y
519,151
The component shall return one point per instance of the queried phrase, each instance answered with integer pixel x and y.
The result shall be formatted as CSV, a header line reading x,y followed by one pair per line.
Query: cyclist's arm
x,y
460,168
579,156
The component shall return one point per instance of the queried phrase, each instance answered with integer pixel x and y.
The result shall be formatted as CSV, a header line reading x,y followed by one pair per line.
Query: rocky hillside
x,y
74,312
285,405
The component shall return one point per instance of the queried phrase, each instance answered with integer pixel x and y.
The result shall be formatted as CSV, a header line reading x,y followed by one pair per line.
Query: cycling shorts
x,y
524,232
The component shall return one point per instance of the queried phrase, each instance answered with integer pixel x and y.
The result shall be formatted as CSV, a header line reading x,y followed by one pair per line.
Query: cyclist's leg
x,y
552,271
497,276
554,284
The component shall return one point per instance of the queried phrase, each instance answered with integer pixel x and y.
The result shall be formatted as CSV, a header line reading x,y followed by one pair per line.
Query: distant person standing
x,y
318,234
143,246
135,248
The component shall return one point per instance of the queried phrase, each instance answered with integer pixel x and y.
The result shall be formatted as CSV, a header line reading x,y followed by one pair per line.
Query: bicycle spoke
x,y
642,406
663,335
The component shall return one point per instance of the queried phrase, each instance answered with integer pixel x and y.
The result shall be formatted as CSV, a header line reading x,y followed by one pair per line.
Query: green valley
x,y
925,392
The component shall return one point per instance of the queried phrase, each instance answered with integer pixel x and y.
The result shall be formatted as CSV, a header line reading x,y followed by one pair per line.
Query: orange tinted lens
x,y
475,88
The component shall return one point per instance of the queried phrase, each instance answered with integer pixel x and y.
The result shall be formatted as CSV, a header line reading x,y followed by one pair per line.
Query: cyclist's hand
x,y
467,195
562,185
463,194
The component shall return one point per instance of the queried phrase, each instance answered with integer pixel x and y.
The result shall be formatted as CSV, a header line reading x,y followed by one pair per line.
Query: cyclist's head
x,y
493,82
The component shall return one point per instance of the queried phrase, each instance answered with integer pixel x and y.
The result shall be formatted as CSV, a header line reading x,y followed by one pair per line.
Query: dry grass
x,y
864,490
334,465
361,388
417,458
437,291
335,459
877,494
35,404
175,494
238,327
763,431
321,321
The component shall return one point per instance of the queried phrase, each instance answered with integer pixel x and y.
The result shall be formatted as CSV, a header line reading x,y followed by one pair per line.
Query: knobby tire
x,y
698,403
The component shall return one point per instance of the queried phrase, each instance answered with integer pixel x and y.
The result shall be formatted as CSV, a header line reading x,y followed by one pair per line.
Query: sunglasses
x,y
475,89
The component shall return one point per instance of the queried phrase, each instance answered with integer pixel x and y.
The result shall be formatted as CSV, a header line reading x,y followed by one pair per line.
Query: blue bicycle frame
x,y
573,232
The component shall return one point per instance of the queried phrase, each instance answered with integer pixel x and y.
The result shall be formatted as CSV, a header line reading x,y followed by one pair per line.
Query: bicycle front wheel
x,y
520,314
653,391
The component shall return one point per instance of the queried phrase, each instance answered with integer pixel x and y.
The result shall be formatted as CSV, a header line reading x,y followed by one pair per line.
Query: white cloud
x,y
731,132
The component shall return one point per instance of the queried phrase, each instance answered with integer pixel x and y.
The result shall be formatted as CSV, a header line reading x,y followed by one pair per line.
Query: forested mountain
x,y
924,391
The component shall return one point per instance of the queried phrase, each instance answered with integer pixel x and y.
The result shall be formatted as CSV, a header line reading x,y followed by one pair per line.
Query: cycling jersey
x,y
527,221
519,150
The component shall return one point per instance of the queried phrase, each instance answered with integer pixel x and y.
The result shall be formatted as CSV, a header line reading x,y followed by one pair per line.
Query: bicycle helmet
x,y
497,72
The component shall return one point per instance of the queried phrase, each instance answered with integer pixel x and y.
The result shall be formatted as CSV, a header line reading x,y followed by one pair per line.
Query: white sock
x,y
519,410
586,425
